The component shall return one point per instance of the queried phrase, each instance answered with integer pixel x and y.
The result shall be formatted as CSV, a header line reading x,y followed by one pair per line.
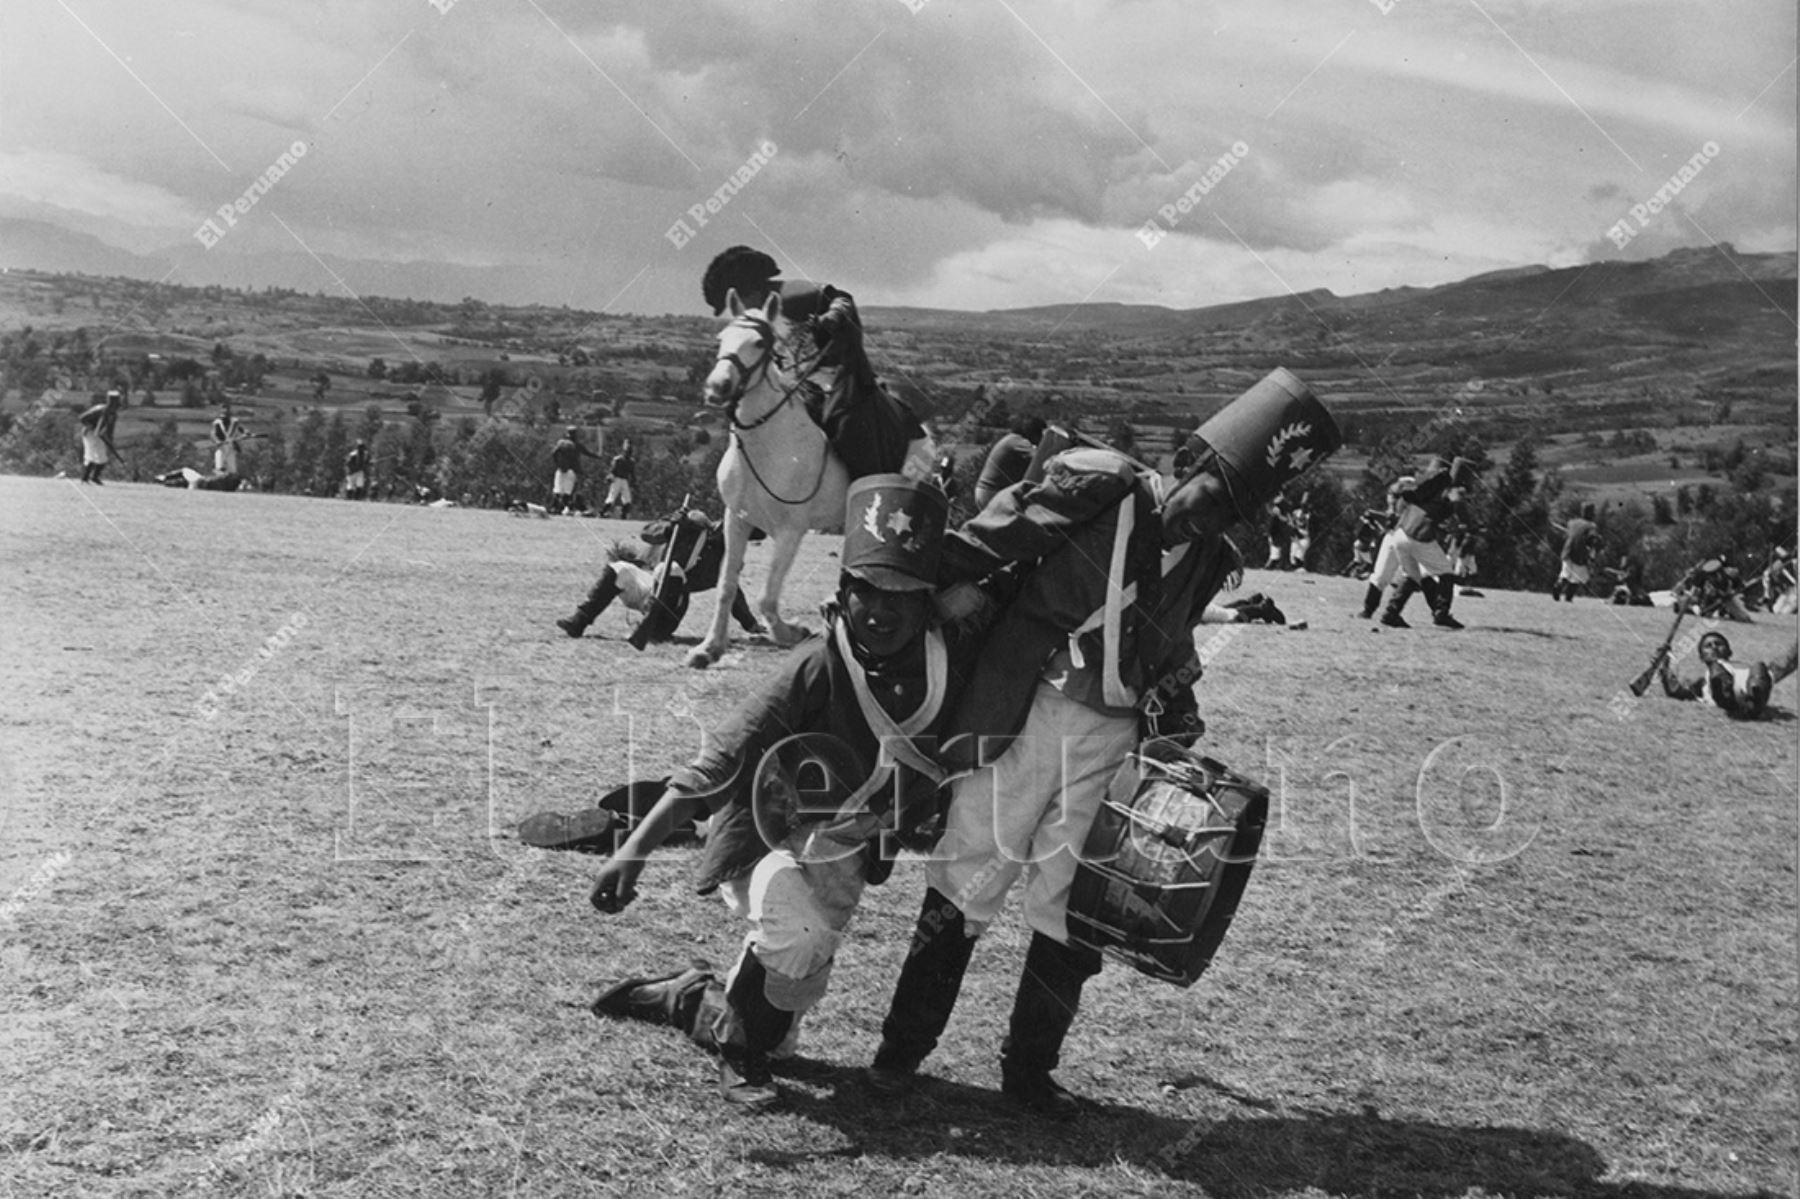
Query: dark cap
x,y
738,268
894,532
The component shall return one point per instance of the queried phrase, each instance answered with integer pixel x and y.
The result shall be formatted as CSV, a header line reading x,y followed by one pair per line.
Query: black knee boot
x,y
925,995
1371,601
740,611
671,999
744,1077
1390,616
1049,996
1439,592
599,596
663,616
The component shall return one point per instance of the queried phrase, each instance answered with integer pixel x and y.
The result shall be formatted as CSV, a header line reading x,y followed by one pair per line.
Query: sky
x,y
969,154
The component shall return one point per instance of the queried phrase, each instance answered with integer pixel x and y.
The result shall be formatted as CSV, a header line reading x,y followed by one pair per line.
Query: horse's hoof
x,y
699,659
788,636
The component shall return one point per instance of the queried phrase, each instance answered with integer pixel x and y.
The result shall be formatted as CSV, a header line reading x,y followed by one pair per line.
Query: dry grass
x,y
278,952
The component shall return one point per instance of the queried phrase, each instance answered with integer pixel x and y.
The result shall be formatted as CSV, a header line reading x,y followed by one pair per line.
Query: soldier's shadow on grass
x,y
1545,634
1238,1157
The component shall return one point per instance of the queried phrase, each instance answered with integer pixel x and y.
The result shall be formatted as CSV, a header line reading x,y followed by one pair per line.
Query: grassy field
x,y
264,929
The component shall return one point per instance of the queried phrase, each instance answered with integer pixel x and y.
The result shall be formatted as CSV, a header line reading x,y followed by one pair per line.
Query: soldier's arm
x,y
1029,520
1675,690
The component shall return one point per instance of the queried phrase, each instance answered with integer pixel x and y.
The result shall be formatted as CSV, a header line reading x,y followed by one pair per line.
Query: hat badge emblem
x,y
1301,455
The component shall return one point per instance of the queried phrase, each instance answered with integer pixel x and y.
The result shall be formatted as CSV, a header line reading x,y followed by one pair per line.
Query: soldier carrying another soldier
x,y
1095,655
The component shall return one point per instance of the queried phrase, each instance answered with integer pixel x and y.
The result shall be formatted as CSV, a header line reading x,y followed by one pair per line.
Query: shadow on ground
x,y
1545,634
1240,1157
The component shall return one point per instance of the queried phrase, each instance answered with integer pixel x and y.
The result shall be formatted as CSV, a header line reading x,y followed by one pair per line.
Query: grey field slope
x,y
264,929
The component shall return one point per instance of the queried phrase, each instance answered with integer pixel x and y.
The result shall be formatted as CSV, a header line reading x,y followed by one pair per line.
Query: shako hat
x,y
1268,437
894,532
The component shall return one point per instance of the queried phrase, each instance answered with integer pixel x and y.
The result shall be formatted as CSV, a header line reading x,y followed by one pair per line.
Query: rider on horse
x,y
868,428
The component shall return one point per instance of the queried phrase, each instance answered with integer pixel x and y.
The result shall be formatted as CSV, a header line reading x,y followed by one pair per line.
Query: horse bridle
x,y
747,377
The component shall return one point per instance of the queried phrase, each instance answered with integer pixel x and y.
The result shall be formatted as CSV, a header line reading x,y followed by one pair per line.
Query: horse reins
x,y
766,337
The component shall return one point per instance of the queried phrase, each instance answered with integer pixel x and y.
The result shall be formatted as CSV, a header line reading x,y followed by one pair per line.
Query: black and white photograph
x,y
900,597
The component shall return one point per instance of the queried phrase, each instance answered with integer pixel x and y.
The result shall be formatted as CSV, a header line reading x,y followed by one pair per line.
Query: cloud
x,y
71,182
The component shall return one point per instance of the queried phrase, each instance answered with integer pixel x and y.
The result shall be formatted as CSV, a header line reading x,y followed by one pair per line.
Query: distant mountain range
x,y
1713,293
1687,290
42,246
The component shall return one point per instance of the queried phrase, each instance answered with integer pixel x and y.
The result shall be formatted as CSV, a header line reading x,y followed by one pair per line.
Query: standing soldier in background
x,y
1778,582
1009,458
227,432
1427,507
1465,544
1579,538
566,458
1386,561
97,436
356,472
1371,527
1300,520
618,491
1281,534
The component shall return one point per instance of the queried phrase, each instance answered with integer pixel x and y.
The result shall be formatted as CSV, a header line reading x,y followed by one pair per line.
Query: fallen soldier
x,y
193,480
1736,690
685,557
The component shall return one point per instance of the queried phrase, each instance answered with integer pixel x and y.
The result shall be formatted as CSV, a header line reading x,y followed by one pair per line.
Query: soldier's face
x,y
884,622
1200,507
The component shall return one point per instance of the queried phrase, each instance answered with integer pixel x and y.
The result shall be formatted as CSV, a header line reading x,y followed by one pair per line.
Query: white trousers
x,y
1029,813
1416,559
797,912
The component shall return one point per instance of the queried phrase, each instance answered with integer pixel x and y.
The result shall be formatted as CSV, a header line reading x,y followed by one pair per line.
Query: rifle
x,y
1642,683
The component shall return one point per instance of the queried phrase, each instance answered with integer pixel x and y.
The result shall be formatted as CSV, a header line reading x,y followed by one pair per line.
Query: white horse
x,y
779,473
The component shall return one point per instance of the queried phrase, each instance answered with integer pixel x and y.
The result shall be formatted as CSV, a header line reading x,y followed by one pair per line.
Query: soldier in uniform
x,y
1281,534
1386,560
688,553
565,457
1580,537
623,472
227,433
870,429
1095,654
356,472
1736,690
848,721
1433,502
97,436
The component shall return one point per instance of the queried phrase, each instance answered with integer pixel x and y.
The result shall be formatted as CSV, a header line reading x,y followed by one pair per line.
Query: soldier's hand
x,y
963,602
617,885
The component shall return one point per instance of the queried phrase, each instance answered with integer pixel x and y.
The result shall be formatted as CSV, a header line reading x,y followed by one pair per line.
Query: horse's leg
x,y
737,539
786,545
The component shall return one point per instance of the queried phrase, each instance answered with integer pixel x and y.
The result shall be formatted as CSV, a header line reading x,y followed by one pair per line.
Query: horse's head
x,y
746,350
